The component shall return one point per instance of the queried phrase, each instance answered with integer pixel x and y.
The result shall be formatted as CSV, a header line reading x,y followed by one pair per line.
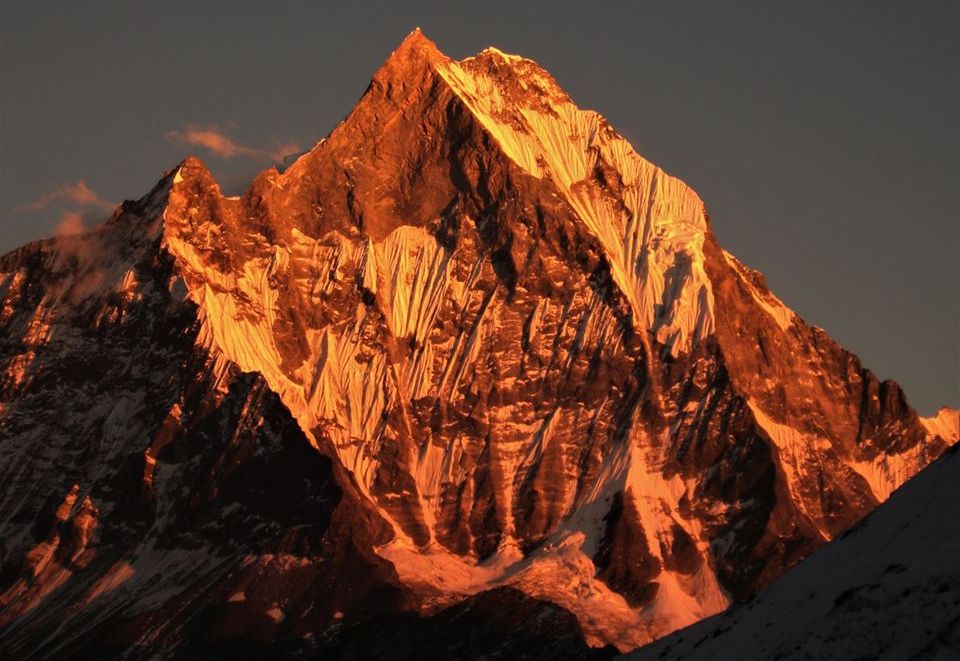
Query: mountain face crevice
x,y
886,588
470,349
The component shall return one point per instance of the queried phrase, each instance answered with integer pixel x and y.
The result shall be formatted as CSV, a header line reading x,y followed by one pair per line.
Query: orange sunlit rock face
x,y
471,351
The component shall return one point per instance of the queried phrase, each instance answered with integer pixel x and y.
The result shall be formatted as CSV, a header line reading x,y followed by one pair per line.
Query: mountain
x,y
888,588
471,372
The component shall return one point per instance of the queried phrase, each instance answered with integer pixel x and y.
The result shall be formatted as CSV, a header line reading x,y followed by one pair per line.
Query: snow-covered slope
x,y
651,225
887,589
469,344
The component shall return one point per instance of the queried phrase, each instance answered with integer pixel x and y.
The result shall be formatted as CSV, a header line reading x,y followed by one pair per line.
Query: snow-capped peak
x,y
651,225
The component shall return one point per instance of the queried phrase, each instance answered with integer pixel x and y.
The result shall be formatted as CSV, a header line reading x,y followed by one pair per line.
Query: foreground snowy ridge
x,y
887,589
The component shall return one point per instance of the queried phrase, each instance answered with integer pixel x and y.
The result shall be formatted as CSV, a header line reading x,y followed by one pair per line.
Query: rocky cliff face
x,y
470,349
888,588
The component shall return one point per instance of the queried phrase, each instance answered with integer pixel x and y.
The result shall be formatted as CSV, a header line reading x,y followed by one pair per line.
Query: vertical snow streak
x,y
650,225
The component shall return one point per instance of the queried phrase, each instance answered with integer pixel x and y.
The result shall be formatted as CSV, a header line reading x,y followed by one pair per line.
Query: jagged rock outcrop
x,y
470,348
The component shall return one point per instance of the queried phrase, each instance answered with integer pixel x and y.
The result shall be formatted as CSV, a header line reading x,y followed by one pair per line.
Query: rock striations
x,y
888,588
471,352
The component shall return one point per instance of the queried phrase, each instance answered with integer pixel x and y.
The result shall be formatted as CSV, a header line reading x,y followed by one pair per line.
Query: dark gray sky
x,y
823,136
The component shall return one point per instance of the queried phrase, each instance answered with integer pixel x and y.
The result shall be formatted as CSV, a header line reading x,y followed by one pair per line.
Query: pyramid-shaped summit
x,y
469,351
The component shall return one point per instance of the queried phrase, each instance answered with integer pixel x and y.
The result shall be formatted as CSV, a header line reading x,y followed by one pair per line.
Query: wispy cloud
x,y
213,141
80,207
71,223
222,145
77,193
283,151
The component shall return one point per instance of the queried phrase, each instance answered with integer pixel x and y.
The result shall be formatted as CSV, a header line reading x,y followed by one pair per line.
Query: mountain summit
x,y
471,374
